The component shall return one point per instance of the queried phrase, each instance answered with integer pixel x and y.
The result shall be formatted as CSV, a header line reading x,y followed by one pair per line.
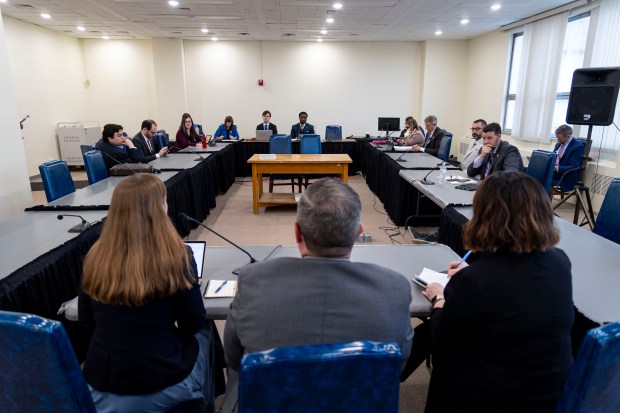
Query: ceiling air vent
x,y
288,34
24,6
243,34
184,8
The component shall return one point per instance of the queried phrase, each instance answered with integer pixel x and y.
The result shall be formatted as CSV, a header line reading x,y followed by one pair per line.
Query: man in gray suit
x,y
322,297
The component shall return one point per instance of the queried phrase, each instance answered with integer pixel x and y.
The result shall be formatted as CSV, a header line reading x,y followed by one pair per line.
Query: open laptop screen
x,y
198,249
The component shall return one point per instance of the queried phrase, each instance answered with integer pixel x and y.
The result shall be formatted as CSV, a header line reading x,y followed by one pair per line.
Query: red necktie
x,y
560,153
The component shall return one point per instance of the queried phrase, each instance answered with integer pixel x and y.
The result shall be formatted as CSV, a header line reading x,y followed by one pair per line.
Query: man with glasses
x,y
495,154
475,145
148,147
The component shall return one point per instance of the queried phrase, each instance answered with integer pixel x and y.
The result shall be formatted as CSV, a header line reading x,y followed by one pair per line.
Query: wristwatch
x,y
436,298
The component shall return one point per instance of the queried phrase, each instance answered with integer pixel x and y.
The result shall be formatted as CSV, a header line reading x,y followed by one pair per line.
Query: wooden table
x,y
292,164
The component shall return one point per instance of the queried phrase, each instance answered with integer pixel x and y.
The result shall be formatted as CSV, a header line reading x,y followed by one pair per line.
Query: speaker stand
x,y
581,191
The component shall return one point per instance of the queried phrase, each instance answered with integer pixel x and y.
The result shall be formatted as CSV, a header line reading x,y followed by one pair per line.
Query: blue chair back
x,y
310,144
541,167
608,220
359,376
162,138
86,148
333,132
280,144
199,126
57,180
593,385
444,147
40,372
95,167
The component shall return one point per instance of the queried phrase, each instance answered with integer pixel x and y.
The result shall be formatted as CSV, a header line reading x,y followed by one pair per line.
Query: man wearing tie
x,y
266,125
495,154
433,137
569,151
302,127
148,148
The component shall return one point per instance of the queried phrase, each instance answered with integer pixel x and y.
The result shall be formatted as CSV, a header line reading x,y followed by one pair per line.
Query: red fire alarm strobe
x,y
260,82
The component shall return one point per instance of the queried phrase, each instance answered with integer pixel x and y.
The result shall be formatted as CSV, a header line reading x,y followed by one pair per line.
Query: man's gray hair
x,y
328,215
564,130
432,119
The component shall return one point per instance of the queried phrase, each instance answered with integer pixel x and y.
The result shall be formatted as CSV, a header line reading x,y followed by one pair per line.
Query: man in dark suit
x,y
148,147
322,297
115,148
267,125
495,154
433,137
302,127
570,152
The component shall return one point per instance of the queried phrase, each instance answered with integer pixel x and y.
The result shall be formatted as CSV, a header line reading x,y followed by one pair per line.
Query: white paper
x,y
224,288
428,276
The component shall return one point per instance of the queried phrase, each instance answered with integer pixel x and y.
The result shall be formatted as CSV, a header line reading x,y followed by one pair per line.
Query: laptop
x,y
263,135
198,249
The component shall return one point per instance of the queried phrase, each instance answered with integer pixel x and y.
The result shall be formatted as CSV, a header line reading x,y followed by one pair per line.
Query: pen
x,y
217,290
467,254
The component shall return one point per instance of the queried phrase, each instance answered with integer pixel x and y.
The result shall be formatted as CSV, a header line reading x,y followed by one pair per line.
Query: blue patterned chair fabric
x,y
608,220
333,132
541,166
353,377
40,372
95,166
57,181
444,147
593,385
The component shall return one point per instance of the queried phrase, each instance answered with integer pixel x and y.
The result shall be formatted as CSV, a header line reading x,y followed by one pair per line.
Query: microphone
x,y
400,158
200,158
81,227
424,181
186,217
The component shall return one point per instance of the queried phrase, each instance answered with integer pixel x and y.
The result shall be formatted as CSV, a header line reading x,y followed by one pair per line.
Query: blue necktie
x,y
265,127
428,138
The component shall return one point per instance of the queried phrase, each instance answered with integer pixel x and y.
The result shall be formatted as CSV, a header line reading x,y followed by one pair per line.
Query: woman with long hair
x,y
227,130
149,350
412,133
501,329
186,135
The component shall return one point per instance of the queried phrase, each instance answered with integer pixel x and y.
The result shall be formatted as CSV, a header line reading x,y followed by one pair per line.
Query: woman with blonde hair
x,y
412,133
150,349
501,330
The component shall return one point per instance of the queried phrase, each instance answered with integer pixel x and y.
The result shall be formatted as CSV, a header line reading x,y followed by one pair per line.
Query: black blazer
x,y
273,128
502,343
296,130
145,155
507,158
121,154
432,148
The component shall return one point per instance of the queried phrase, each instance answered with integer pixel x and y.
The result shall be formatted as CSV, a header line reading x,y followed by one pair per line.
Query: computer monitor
x,y
389,124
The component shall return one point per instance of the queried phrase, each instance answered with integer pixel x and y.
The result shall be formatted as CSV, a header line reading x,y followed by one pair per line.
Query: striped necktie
x,y
560,153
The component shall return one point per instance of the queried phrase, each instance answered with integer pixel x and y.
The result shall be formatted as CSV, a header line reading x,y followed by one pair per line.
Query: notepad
x,y
428,276
220,288
267,157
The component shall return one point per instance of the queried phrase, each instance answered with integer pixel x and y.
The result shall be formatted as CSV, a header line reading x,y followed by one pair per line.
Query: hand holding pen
x,y
456,266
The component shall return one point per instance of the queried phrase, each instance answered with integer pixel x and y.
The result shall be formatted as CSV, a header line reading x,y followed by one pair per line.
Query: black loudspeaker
x,y
593,96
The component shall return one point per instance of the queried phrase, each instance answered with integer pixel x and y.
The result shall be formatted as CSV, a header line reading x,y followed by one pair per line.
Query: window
x,y
511,93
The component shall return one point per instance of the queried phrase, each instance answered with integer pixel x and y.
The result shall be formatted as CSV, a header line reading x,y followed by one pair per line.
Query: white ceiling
x,y
299,20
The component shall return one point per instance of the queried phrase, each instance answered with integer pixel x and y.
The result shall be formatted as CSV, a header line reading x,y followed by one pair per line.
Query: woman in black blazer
x,y
501,329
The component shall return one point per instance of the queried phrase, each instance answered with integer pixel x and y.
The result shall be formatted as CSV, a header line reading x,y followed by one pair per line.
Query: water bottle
x,y
443,170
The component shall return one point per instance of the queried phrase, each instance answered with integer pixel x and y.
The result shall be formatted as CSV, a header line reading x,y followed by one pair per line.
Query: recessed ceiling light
x,y
105,37
46,15
464,21
337,6
80,28
496,7
204,30
173,3
214,39
319,40
329,20
323,31
438,32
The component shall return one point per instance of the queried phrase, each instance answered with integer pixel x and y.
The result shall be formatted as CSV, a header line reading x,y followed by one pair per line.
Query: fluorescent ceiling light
x,y
329,20
496,7
337,6
46,15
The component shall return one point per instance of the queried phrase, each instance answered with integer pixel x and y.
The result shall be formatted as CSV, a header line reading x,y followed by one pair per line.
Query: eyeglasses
x,y
474,129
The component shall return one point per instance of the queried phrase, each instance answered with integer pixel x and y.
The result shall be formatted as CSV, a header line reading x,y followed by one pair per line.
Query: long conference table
x,y
54,265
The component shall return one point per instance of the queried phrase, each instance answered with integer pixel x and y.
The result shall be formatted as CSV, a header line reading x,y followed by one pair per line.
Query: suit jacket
x,y
501,342
121,154
432,147
302,301
507,158
145,154
472,153
571,158
273,128
296,130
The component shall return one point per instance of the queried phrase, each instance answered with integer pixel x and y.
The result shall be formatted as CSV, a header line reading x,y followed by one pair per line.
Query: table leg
x,y
256,183
344,175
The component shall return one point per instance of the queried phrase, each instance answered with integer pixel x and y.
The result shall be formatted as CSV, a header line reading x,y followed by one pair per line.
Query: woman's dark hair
x,y
511,211
192,130
229,119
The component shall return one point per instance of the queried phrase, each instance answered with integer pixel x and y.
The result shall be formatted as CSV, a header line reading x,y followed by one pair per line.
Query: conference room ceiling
x,y
292,20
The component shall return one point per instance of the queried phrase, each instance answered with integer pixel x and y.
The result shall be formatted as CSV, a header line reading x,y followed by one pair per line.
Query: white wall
x,y
15,192
170,90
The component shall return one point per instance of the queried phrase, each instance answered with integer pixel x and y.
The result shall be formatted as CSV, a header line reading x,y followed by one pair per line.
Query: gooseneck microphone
x,y
200,158
400,158
186,217
81,227
424,181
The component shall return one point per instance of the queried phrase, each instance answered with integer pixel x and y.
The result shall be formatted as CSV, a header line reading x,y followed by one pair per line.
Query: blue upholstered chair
x,y
355,377
593,385
95,167
608,220
333,132
40,372
541,166
57,180
162,138
444,147
282,144
199,126
86,148
310,144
